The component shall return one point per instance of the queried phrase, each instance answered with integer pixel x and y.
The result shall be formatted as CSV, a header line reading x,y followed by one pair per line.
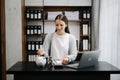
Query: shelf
x,y
84,35
28,20
86,20
37,34
82,52
69,20
32,52
32,7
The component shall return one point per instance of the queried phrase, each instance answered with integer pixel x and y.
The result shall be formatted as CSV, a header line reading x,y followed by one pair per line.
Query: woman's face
x,y
60,26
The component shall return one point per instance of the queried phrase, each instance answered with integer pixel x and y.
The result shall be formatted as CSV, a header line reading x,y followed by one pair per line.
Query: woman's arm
x,y
72,49
43,51
46,44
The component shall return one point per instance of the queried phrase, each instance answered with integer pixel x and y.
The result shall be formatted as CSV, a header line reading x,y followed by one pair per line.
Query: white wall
x,y
110,33
13,33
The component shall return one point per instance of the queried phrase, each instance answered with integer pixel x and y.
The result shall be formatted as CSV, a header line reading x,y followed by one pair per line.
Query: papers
x,y
71,15
52,15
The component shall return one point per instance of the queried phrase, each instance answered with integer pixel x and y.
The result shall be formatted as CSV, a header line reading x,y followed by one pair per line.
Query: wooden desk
x,y
29,71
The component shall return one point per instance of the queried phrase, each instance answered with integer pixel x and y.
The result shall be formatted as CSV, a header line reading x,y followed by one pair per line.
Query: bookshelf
x,y
34,31
36,17
85,30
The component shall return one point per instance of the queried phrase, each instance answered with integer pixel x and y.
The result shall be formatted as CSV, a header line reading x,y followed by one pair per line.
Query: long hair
x,y
63,18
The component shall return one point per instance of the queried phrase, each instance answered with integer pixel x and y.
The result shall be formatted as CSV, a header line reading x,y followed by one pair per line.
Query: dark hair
x,y
63,18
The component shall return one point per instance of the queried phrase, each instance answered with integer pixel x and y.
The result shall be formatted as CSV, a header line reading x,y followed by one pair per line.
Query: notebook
x,y
88,59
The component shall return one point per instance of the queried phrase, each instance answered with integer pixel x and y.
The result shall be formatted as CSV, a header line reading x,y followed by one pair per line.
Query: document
x,y
52,15
72,15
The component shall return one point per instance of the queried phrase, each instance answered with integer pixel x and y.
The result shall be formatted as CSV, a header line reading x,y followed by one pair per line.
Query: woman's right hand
x,y
40,52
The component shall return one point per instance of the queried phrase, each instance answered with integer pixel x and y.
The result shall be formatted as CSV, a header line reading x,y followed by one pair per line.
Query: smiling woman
x,y
60,45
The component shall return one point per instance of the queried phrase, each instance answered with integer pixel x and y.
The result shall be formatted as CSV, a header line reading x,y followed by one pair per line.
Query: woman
x,y
60,45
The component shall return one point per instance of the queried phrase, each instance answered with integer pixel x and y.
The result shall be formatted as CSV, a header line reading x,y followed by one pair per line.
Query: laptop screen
x,y
88,59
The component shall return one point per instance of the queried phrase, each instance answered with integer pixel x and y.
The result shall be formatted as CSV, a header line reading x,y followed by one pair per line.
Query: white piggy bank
x,y
40,61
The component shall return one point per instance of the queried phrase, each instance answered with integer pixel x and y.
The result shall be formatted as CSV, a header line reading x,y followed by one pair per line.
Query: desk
x,y
29,71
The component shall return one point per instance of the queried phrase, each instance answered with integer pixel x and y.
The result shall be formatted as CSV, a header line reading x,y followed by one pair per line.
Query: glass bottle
x,y
49,63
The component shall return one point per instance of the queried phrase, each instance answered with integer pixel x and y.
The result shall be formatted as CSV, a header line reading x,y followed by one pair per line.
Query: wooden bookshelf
x,y
84,19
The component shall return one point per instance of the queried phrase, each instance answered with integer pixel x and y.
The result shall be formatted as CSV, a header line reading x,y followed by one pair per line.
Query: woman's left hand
x,y
65,60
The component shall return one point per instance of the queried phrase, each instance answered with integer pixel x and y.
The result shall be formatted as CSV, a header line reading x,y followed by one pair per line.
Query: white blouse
x,y
59,47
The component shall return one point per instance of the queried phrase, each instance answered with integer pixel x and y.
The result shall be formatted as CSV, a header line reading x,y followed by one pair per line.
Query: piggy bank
x,y
40,61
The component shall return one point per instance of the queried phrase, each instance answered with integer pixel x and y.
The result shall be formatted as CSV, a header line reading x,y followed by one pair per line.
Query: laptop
x,y
88,59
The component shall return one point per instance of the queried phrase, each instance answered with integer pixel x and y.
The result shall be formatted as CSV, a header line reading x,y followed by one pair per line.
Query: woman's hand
x,y
65,60
40,52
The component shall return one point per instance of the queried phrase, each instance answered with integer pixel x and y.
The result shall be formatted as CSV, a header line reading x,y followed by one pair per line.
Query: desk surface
x,y
31,67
